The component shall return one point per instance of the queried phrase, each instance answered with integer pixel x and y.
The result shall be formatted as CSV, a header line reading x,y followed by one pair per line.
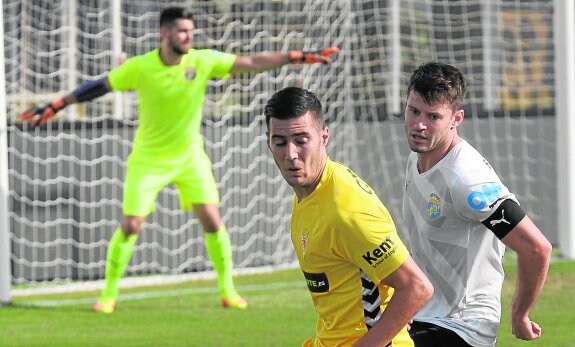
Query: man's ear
x,y
163,32
268,140
325,136
457,118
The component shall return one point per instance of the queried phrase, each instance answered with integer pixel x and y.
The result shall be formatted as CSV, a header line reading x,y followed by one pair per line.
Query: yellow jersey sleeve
x,y
367,235
371,242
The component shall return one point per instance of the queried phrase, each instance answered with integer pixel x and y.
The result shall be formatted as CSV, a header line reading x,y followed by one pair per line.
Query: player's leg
x,y
430,335
119,253
219,249
198,190
141,187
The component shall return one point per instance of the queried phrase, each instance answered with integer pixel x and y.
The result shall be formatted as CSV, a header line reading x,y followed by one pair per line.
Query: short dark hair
x,y
292,102
438,82
169,15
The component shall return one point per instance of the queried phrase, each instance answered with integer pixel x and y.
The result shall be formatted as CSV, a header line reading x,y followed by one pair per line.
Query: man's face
x,y
429,127
298,146
179,36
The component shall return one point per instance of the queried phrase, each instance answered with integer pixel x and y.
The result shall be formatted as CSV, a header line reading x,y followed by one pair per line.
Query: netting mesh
x,y
66,179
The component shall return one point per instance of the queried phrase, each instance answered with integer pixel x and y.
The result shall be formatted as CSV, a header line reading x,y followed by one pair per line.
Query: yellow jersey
x,y
346,244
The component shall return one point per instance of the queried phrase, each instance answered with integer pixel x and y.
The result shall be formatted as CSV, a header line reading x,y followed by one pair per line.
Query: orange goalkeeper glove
x,y
41,114
313,57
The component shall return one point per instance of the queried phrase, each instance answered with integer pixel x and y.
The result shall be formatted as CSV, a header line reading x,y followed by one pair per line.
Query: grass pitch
x,y
280,314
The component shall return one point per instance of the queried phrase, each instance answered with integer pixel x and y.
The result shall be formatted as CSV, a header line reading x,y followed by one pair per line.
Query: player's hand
x,y
41,114
525,329
312,57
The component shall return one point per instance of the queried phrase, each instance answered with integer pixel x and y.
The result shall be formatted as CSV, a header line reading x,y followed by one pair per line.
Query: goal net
x,y
65,179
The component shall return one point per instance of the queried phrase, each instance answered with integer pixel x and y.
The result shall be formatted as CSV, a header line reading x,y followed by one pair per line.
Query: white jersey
x,y
443,209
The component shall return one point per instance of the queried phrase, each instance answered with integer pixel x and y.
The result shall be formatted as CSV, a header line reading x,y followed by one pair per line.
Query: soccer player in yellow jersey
x,y
171,83
364,285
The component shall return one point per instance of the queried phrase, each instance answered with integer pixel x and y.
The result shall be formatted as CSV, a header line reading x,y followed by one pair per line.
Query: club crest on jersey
x,y
304,240
190,73
434,206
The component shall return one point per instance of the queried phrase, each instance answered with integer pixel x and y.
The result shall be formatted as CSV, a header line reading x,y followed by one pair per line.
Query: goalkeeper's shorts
x,y
145,178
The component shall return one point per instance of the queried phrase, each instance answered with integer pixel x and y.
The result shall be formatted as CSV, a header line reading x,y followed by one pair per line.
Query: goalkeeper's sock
x,y
219,248
119,253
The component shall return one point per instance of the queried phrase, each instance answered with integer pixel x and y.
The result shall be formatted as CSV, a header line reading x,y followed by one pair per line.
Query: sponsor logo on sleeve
x,y
494,222
487,194
378,255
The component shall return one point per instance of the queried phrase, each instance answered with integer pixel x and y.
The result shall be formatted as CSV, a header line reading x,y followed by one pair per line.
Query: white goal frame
x,y
565,106
5,273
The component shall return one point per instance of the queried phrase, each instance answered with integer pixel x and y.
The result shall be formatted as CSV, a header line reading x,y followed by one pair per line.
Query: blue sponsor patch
x,y
434,206
488,193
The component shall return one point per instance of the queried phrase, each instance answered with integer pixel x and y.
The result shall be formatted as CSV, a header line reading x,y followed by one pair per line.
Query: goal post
x,y
5,268
61,196
565,87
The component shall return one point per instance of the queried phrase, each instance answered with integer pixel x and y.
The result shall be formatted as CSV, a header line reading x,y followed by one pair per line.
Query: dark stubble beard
x,y
177,49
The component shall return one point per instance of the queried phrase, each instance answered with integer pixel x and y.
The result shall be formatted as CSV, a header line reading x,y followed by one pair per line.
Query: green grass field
x,y
188,314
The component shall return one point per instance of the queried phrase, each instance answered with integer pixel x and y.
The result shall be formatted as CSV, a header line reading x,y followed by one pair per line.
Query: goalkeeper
x,y
171,83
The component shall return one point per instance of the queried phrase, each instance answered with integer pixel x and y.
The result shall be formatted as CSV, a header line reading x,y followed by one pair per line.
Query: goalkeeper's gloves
x,y
312,57
41,114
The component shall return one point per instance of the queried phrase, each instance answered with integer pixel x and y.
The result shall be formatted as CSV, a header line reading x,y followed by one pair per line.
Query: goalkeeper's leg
x,y
199,191
219,249
119,254
145,177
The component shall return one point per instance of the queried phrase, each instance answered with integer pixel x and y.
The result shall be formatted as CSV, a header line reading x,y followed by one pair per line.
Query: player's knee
x,y
212,226
209,216
132,226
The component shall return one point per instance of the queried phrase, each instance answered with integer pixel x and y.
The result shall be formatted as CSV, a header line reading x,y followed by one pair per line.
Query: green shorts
x,y
145,177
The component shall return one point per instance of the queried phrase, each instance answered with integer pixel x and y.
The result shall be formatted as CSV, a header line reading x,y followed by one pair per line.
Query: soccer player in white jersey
x,y
459,218
364,285
171,83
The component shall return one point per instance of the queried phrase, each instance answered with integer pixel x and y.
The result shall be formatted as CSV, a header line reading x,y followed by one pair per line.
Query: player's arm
x,y
533,255
268,61
412,290
40,114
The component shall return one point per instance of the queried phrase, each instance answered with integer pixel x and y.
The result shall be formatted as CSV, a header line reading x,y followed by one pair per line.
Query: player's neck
x,y
169,57
426,161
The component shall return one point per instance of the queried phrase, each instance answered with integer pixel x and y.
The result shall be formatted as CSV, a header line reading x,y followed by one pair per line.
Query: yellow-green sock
x,y
219,248
119,254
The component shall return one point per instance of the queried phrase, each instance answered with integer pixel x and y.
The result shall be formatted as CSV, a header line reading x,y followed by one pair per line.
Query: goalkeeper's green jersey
x,y
170,98
346,244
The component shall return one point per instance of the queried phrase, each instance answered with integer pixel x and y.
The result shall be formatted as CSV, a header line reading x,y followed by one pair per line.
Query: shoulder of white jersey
x,y
470,167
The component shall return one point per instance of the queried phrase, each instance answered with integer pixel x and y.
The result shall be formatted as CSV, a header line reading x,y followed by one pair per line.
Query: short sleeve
x,y
221,62
125,76
371,242
476,202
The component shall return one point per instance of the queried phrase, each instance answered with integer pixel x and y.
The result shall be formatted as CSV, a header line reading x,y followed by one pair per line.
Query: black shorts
x,y
430,335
